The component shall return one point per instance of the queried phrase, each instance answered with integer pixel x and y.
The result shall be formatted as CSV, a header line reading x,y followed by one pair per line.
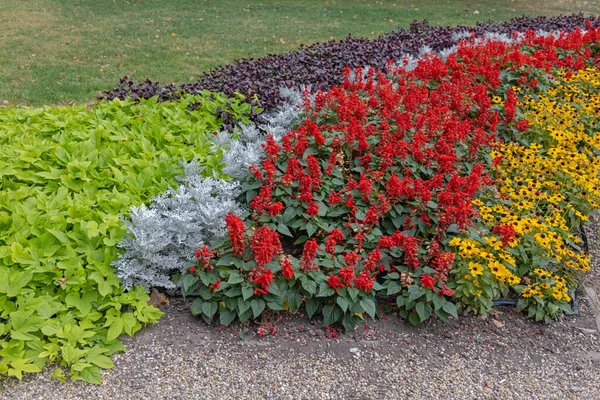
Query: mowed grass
x,y
58,51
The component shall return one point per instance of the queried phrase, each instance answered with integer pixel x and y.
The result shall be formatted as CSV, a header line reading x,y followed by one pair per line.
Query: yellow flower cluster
x,y
548,285
546,186
552,185
489,255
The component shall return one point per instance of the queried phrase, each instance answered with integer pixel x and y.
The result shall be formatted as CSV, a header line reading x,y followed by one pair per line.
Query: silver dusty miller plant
x,y
243,147
163,236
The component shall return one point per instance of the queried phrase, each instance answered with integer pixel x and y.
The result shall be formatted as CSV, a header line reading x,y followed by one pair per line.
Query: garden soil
x,y
506,356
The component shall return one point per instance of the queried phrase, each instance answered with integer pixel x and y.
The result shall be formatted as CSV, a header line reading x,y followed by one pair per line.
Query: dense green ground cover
x,y
58,51
67,174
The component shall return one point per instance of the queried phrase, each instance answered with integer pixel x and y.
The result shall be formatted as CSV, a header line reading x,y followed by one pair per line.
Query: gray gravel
x,y
505,356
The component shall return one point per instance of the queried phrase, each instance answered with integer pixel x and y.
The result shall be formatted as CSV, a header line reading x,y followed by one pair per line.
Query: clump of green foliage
x,y
66,175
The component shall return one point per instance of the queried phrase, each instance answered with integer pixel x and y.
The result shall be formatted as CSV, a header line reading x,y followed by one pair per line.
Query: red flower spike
x,y
215,286
334,282
427,281
236,229
265,244
364,282
308,255
286,269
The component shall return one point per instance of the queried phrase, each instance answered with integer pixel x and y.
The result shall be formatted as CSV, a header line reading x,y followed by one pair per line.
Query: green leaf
x,y
331,314
353,293
310,229
273,305
284,230
450,308
258,305
325,290
234,278
414,318
342,302
311,307
189,282
209,308
242,305
101,361
309,285
393,288
115,330
91,375
196,306
274,289
414,292
423,311
369,306
247,292
226,317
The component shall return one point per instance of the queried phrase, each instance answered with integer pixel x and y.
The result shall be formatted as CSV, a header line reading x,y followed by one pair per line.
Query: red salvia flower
x,y
236,229
510,105
203,256
334,198
272,149
507,233
312,209
265,244
333,239
262,201
215,286
264,279
275,209
364,282
351,258
308,255
347,275
286,269
365,186
334,282
427,281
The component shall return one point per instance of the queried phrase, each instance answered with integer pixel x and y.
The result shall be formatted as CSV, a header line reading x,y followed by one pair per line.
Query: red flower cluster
x,y
308,255
427,281
215,286
333,239
507,233
364,282
236,229
203,256
264,280
265,244
286,269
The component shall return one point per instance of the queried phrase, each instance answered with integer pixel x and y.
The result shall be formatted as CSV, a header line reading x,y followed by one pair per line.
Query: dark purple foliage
x,y
320,65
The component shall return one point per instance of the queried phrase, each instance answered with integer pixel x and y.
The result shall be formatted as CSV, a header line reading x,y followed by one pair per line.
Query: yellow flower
x,y
468,249
455,242
527,292
475,268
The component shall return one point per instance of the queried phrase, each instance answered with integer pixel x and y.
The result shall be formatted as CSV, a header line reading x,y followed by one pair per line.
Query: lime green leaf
x,y
91,375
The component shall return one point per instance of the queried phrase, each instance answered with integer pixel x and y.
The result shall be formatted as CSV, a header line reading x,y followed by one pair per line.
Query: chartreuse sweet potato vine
x,y
66,174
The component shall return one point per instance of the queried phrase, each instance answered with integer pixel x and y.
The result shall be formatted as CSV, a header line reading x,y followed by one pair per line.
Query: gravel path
x,y
506,356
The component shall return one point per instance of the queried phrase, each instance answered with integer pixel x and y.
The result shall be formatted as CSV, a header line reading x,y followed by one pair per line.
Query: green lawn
x,y
57,51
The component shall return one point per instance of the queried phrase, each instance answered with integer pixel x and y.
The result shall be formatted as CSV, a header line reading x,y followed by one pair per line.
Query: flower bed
x,y
408,184
445,185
